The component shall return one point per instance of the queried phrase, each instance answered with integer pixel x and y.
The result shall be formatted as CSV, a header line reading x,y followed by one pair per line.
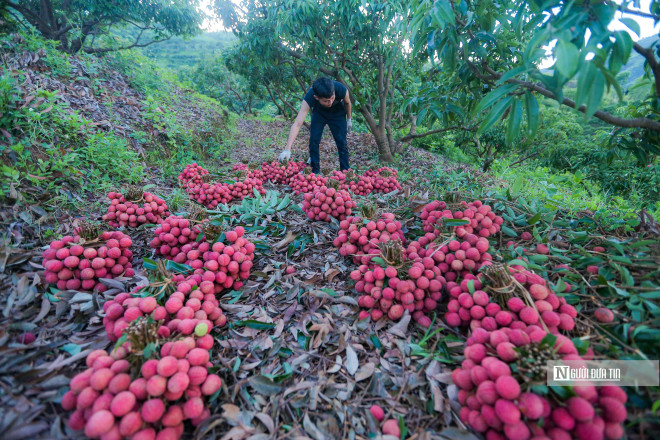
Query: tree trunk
x,y
379,132
384,147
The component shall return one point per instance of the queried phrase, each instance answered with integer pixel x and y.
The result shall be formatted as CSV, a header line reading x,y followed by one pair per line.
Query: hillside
x,y
245,315
635,63
177,52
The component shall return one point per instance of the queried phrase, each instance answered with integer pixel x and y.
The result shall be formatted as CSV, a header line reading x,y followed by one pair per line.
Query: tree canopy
x,y
503,44
361,45
80,25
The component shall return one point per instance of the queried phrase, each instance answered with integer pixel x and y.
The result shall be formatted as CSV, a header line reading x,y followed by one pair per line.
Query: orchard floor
x,y
312,371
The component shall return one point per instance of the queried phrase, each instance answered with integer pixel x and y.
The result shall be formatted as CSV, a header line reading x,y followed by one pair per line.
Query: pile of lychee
x,y
456,258
360,238
242,189
391,291
146,208
227,262
349,180
192,173
209,194
499,399
482,220
326,203
280,173
175,237
530,302
384,179
111,400
76,263
304,183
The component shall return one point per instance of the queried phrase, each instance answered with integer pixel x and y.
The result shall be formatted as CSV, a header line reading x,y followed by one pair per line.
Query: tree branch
x,y
106,50
648,54
412,136
603,116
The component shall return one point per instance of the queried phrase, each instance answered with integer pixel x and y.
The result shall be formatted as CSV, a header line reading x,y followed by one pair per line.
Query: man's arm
x,y
295,128
347,105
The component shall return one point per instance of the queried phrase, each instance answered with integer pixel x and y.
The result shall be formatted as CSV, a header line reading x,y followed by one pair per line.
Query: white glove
x,y
349,125
285,155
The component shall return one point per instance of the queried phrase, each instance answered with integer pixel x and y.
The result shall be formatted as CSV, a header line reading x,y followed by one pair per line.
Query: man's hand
x,y
349,125
285,155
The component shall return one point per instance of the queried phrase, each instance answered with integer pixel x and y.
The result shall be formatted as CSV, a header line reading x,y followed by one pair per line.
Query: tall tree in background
x,y
501,44
362,45
77,25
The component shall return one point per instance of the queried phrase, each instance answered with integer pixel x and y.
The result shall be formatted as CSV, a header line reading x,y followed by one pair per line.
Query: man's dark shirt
x,y
337,105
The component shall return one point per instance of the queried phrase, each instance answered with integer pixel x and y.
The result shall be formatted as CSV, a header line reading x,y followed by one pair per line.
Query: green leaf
x,y
494,96
149,264
264,385
591,85
379,261
257,325
149,350
517,262
517,186
72,349
513,126
534,219
567,58
455,221
511,74
632,24
549,340
532,108
177,267
495,114
581,345
123,338
508,231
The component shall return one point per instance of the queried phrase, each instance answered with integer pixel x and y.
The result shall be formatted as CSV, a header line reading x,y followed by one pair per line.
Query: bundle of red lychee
x,y
78,262
110,401
516,299
279,173
483,221
245,188
497,388
185,309
353,182
326,203
304,183
360,238
456,259
209,194
225,265
403,284
175,237
240,167
192,173
384,179
135,208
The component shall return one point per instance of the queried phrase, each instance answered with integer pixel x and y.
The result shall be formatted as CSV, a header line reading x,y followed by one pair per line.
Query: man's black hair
x,y
323,87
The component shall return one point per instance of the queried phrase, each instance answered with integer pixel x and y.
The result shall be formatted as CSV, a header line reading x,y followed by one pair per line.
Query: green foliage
x,y
180,52
54,158
212,78
501,45
285,52
82,24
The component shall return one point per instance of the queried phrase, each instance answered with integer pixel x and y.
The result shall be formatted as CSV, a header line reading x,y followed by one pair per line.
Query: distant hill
x,y
177,52
635,64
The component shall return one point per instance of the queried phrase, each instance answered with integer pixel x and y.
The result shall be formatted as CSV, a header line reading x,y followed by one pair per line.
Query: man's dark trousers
x,y
337,123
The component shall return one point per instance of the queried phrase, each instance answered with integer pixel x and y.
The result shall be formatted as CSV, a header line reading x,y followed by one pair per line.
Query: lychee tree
x,y
495,50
